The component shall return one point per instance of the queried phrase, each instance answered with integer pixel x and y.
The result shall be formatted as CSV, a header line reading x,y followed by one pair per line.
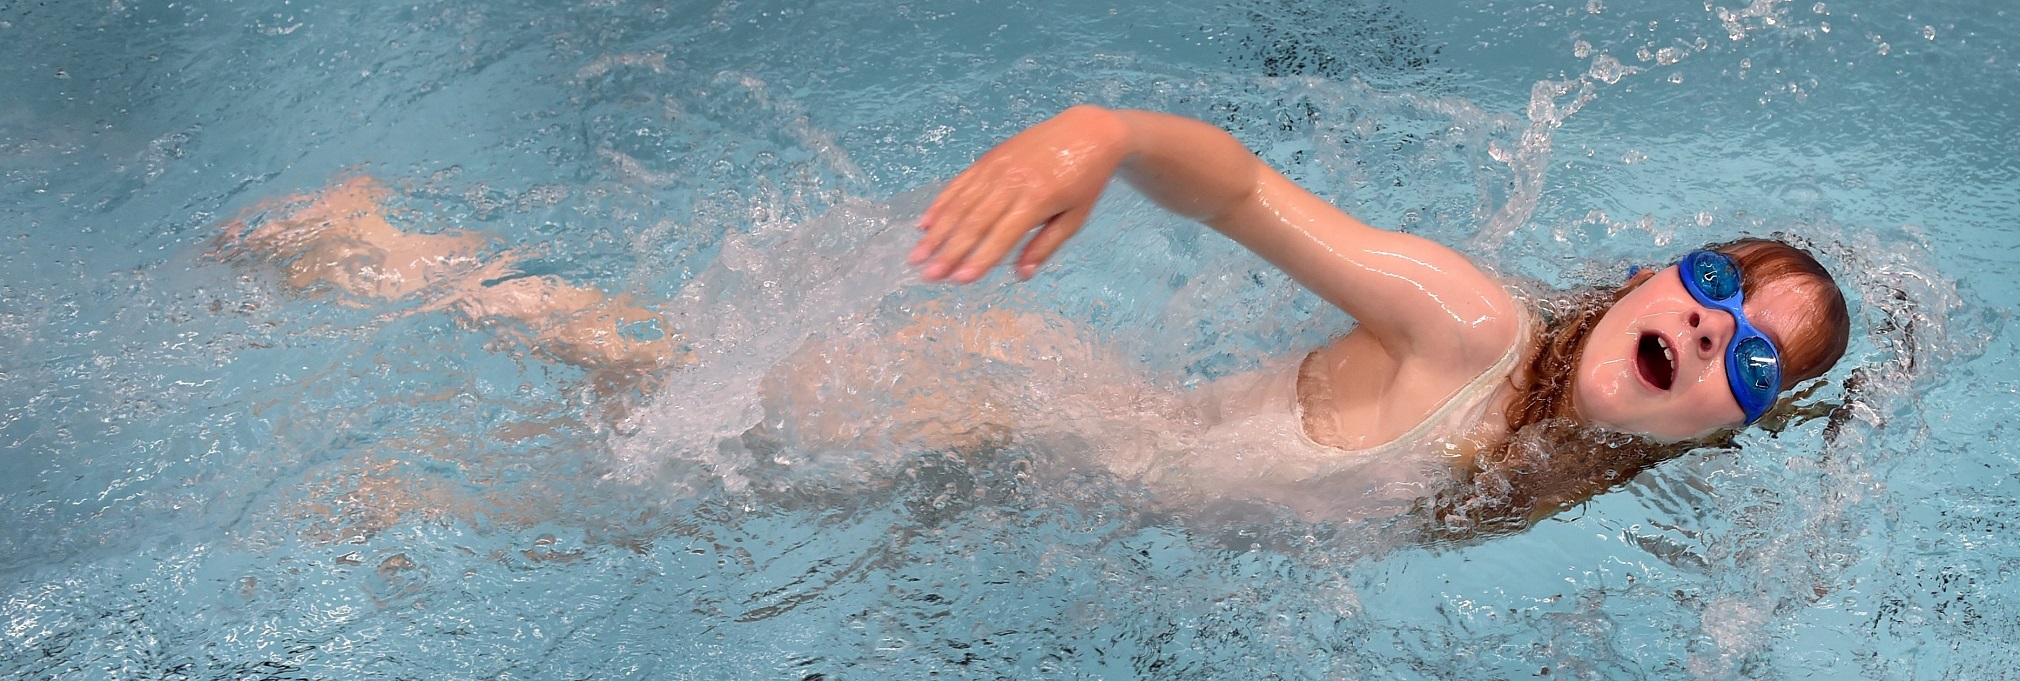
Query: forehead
x,y
1779,309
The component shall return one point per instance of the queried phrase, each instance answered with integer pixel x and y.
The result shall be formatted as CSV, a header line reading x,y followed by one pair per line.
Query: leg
x,y
339,239
582,326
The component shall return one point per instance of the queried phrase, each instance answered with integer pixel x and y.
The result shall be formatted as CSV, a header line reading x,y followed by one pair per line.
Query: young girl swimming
x,y
1527,407
1531,410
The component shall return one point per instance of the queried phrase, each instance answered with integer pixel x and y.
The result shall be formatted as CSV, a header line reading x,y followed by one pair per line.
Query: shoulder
x,y
1476,331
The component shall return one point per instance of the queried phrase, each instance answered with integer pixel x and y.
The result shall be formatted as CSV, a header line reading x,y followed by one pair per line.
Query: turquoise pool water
x,y
206,475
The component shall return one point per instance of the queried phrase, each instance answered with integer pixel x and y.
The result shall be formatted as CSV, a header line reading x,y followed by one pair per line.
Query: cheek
x,y
1604,393
1708,407
1589,379
1607,363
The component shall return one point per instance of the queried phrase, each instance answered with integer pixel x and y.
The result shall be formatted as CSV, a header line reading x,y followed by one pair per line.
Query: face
x,y
1655,362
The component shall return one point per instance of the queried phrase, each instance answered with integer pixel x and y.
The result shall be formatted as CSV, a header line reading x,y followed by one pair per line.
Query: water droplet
x,y
1802,192
1606,68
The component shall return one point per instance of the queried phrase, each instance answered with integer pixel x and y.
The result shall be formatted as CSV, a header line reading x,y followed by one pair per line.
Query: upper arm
x,y
1418,298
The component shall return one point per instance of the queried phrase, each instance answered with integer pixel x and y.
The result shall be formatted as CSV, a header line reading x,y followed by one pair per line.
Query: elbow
x,y
1100,121
1224,211
1086,110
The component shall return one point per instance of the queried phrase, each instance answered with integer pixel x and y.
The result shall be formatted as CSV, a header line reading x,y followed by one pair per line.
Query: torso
x,y
1356,396
1317,434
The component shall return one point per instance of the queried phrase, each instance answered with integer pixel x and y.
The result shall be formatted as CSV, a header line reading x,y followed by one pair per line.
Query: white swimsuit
x,y
1254,446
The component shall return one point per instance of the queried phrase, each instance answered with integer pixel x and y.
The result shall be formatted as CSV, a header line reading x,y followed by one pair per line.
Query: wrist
x,y
1110,129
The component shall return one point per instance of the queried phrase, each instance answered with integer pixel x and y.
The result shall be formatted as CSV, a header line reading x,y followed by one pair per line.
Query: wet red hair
x,y
1552,460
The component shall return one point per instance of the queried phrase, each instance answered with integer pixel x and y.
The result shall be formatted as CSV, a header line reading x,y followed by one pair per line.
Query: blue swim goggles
x,y
1752,364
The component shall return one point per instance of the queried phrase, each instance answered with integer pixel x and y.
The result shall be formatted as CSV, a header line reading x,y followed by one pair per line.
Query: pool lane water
x,y
207,476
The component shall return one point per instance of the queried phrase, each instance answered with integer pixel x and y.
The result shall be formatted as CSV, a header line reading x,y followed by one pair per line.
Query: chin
x,y
1600,403
1656,428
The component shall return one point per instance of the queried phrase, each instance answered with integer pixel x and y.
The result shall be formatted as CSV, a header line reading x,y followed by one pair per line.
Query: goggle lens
x,y
1717,275
1759,367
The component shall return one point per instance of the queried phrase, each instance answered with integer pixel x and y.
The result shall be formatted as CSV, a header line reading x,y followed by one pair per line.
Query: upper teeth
x,y
1666,352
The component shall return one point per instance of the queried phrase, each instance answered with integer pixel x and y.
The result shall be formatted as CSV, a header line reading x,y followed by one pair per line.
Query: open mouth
x,y
1655,361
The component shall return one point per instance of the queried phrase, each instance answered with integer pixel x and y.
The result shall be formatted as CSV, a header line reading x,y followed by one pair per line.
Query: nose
x,y
1709,331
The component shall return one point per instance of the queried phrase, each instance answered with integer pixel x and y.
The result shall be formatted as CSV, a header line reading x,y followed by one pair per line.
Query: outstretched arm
x,y
1417,297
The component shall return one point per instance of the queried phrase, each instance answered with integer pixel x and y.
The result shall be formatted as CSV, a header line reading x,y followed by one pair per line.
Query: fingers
x,y
1049,174
975,223
1055,232
944,215
961,233
995,243
949,196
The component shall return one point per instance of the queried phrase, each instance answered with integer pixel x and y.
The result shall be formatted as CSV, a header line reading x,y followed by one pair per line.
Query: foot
x,y
579,325
339,238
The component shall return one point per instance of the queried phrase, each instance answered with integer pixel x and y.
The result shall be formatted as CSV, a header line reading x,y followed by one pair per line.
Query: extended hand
x,y
1045,178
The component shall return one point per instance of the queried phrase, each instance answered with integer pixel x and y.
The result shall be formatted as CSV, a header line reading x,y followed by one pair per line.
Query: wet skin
x,y
1614,389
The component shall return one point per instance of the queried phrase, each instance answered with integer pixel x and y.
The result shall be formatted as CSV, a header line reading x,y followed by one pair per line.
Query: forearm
x,y
1413,294
1418,297
1186,166
1049,176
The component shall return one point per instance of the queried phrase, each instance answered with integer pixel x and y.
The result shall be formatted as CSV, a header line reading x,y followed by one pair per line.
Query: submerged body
x,y
1444,366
